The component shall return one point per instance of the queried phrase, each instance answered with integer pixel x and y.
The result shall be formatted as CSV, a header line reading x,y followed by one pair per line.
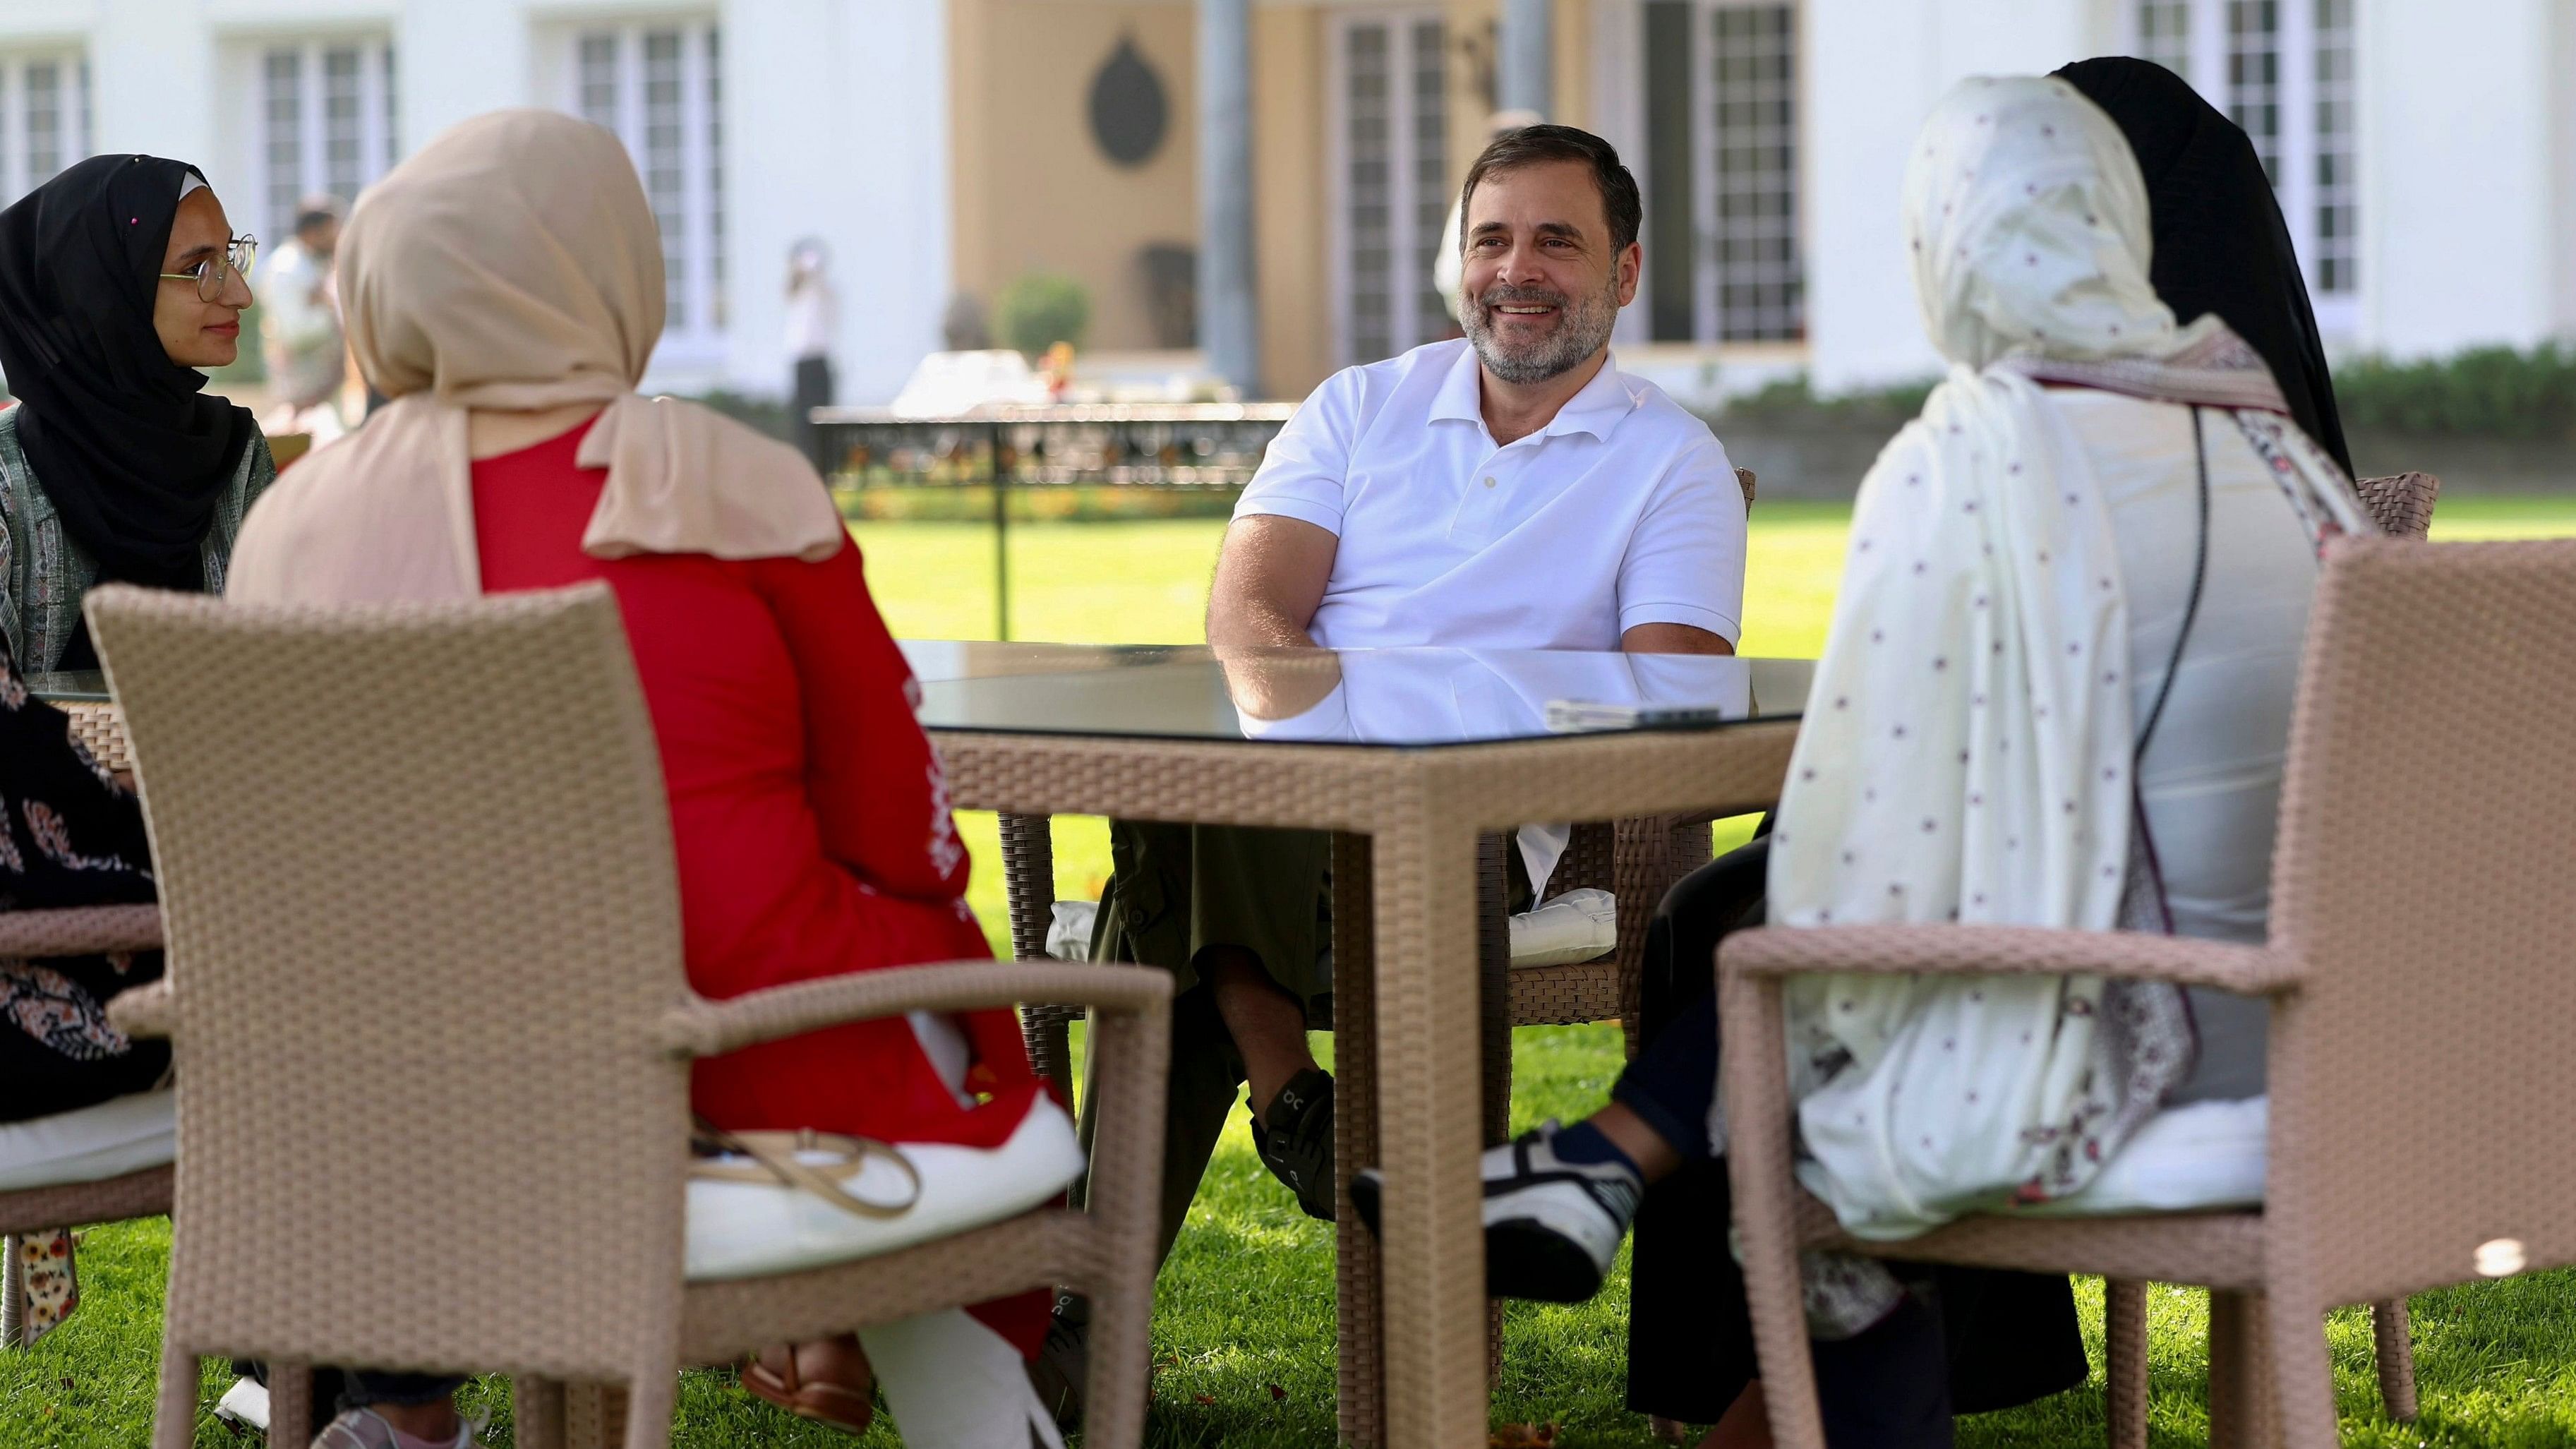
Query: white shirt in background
x,y
300,327
1622,511
813,314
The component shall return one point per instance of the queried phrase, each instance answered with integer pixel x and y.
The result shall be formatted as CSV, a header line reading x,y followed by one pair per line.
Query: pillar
x,y
1229,317
1527,82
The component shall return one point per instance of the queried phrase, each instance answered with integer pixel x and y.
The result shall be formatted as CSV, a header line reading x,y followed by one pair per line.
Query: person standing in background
x,y
813,317
301,338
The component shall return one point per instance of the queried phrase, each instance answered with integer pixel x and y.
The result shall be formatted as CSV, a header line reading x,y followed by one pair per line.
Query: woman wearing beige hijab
x,y
504,288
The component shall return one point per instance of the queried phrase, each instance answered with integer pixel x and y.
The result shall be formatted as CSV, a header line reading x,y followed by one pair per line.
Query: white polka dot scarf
x,y
1966,754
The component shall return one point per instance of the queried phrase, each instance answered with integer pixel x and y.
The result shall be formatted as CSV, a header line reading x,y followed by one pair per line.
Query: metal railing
x,y
1011,447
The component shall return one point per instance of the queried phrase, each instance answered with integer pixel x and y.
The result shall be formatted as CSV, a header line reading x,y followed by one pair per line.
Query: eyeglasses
x,y
211,274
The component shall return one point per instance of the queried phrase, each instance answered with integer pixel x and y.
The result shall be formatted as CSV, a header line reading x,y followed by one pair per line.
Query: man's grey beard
x,y
1583,328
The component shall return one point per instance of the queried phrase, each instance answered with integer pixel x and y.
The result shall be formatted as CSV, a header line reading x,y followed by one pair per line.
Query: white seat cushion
x,y
748,1229
118,1136
1069,930
2192,1158
1580,925
1576,926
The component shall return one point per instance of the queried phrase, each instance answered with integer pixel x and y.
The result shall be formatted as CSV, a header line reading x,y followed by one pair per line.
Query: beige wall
x,y
1289,201
1573,45
1032,190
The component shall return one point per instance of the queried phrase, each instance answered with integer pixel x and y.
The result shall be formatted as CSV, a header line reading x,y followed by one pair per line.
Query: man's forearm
x,y
1270,580
1255,623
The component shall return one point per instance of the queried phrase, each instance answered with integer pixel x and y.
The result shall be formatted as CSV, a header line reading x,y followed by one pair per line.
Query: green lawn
x,y
1245,1308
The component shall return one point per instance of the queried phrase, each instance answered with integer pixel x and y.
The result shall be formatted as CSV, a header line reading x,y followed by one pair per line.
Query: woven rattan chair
x,y
99,729
427,993
2401,503
142,1193
2380,1181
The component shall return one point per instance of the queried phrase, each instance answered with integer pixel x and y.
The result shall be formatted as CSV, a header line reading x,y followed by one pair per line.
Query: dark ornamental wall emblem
x,y
1129,112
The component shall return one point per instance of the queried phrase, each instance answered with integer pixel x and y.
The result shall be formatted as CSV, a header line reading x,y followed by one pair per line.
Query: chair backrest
x,y
423,923
2420,1078
2401,503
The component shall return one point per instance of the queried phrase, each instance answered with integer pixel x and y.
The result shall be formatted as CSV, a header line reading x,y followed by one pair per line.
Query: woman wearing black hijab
x,y
119,279
2220,242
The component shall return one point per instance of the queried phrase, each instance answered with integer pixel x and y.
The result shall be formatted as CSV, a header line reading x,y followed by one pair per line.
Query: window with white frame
x,y
326,123
1717,158
2283,70
1390,174
1750,284
659,85
2254,77
44,117
2164,34
2336,203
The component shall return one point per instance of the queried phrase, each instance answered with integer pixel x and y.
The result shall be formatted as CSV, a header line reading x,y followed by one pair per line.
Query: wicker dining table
x,y
1408,756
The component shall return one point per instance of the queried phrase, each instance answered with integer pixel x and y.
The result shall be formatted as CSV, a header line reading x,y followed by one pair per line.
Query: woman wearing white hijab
x,y
2058,688
2057,693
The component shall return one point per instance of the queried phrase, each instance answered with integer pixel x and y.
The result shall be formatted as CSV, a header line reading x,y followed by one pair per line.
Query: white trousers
x,y
952,1383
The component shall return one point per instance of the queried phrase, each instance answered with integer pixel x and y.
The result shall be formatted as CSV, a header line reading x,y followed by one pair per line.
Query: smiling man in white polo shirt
x,y
1510,490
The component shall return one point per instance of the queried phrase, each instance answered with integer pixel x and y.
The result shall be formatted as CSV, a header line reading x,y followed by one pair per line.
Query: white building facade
x,y
753,123
2424,150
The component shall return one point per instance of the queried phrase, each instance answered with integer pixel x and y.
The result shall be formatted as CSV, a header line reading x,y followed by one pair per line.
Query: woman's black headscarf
x,y
123,440
2221,245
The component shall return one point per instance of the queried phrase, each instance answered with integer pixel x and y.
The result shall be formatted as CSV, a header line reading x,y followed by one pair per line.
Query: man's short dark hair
x,y
1538,145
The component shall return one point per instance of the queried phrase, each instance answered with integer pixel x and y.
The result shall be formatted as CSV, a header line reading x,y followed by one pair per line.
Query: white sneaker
x,y
245,1403
1552,1227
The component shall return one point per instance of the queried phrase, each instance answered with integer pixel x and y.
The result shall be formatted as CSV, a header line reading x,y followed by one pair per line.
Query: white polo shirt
x,y
1621,511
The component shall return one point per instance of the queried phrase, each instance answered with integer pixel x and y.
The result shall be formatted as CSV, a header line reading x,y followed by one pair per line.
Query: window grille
x,y
44,118
2338,196
1751,283
1391,181
2284,70
326,124
659,87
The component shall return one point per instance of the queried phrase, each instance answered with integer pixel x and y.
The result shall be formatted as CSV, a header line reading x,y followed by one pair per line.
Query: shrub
x,y
2492,392
1040,310
759,414
1047,503
1791,404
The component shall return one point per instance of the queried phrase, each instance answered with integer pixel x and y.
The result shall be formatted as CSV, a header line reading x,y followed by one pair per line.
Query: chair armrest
x,y
2006,951
709,1028
147,1011
79,931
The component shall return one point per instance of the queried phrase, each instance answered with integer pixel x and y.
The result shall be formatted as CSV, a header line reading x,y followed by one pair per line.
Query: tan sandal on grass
x,y
773,1377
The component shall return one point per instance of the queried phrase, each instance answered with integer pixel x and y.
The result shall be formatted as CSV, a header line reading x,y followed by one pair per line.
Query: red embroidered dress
x,y
808,813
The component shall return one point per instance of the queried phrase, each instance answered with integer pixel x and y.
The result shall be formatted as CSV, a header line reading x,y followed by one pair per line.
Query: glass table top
x,y
1413,697
88,687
